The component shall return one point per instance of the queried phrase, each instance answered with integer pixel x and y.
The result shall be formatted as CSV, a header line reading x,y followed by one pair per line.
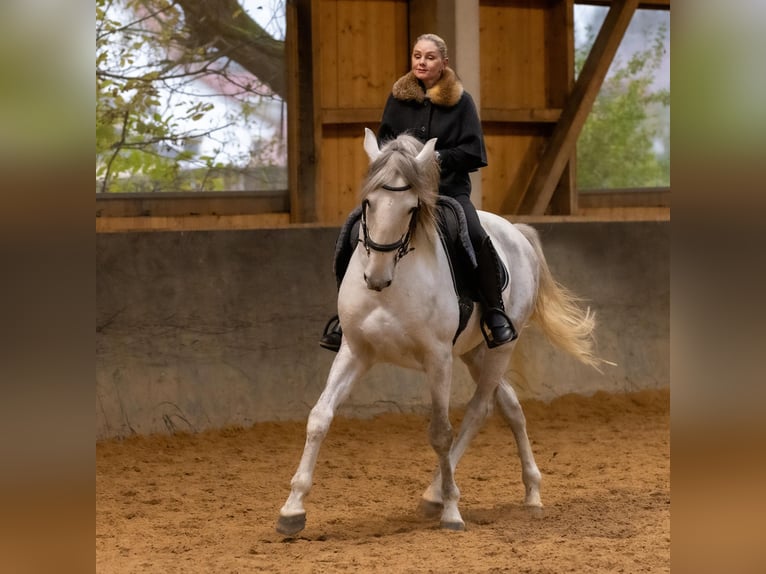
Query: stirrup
x,y
332,334
499,334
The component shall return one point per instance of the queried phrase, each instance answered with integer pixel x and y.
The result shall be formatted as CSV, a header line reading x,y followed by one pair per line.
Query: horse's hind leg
x,y
511,408
344,372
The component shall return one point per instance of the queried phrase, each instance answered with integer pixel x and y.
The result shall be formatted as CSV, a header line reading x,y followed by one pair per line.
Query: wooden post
x,y
562,143
302,161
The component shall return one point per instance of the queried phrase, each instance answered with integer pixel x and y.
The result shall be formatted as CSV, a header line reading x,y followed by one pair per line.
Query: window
x,y
625,142
190,96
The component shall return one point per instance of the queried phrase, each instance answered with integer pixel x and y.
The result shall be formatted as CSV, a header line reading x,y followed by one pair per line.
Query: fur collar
x,y
446,92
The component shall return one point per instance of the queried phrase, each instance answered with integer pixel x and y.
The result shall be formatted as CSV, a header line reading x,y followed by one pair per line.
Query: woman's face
x,y
427,62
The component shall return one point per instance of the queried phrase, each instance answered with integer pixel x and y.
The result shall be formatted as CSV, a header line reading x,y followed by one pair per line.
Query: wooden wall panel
x,y
362,49
326,55
525,64
344,165
513,152
368,58
330,176
513,66
559,52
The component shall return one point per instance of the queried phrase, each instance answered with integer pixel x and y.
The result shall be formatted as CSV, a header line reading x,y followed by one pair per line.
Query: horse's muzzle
x,y
376,285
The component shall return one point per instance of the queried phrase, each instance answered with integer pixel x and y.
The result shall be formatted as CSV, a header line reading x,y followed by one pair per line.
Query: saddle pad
x,y
453,226
453,232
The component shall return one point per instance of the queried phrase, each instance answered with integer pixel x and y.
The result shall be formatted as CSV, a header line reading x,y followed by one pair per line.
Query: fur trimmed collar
x,y
446,92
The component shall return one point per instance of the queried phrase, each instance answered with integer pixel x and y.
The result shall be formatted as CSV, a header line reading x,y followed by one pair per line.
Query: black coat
x,y
446,112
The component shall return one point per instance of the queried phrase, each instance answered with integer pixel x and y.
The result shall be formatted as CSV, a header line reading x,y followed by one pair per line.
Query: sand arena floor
x,y
209,502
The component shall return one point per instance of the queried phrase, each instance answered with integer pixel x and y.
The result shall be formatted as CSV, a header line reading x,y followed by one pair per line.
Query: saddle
x,y
453,233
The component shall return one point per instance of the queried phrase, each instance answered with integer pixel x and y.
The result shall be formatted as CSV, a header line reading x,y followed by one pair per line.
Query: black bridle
x,y
402,245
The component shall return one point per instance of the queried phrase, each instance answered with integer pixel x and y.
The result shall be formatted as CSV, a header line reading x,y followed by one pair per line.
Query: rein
x,y
402,245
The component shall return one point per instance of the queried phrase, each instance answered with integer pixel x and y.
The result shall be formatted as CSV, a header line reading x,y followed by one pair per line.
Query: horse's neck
x,y
429,258
427,243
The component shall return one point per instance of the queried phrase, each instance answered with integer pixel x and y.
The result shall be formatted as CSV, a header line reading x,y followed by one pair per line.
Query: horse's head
x,y
399,193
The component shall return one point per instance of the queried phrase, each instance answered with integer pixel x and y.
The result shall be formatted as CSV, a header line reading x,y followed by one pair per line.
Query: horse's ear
x,y
427,153
371,145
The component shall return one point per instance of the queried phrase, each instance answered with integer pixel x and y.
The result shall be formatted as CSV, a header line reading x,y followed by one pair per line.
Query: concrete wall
x,y
206,329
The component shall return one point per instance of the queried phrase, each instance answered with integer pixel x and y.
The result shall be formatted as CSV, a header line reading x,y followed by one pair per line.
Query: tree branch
x,y
117,146
224,25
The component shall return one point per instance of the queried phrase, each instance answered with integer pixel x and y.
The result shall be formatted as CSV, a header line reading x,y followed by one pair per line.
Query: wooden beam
x,y
191,222
351,115
301,159
564,198
312,140
521,115
642,4
632,197
169,204
561,145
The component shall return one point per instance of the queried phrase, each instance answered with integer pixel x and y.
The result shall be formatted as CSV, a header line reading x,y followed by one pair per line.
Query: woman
x,y
429,101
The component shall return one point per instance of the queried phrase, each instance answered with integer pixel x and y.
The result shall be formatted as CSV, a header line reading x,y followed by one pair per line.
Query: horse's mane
x,y
397,157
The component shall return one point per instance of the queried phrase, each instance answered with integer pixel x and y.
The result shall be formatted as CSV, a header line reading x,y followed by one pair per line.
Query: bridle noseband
x,y
402,245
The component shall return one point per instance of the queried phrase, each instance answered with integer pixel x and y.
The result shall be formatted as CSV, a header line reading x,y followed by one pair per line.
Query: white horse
x,y
397,305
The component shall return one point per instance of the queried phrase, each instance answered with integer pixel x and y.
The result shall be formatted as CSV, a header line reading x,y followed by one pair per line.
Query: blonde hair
x,y
441,45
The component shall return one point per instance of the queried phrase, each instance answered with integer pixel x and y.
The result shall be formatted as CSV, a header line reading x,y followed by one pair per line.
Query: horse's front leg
x,y
440,435
478,409
477,412
345,371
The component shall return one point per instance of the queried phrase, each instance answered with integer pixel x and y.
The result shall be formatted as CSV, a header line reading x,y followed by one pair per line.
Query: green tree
x,y
149,54
617,145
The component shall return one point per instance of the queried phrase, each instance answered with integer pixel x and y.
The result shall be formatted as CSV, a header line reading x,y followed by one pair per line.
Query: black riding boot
x,y
344,249
496,326
332,335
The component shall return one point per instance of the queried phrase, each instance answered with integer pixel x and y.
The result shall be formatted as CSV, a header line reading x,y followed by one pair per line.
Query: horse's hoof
x,y
532,498
289,525
535,510
430,509
457,526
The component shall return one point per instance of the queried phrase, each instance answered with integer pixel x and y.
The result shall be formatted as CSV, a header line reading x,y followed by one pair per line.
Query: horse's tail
x,y
567,325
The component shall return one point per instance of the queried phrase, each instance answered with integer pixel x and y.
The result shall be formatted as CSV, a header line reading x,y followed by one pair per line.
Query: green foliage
x,y
150,117
616,148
